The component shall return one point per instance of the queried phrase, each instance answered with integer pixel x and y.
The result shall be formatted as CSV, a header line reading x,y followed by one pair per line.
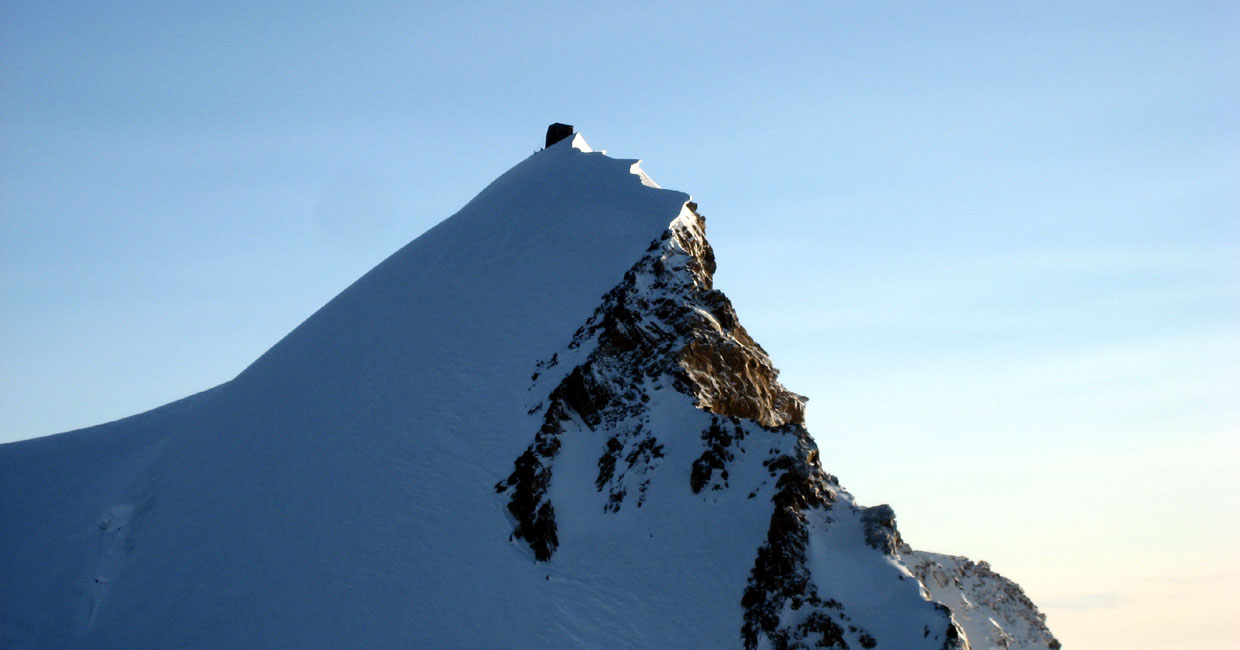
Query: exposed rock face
x,y
642,330
780,578
665,324
664,320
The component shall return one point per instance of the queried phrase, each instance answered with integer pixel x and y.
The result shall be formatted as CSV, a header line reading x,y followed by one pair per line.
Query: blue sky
x,y
997,244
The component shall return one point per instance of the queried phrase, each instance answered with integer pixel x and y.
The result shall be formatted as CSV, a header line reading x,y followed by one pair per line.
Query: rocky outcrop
x,y
880,528
663,321
665,324
780,579
994,611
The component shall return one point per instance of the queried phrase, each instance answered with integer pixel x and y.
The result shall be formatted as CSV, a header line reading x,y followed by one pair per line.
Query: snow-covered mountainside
x,y
536,425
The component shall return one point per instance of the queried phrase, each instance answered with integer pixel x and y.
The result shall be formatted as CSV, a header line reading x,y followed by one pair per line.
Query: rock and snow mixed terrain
x,y
536,425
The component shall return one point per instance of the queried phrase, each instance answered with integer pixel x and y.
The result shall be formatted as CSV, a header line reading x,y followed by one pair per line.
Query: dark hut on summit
x,y
557,132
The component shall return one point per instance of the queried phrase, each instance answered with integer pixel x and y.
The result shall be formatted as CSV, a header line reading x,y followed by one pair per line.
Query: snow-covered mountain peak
x,y
537,425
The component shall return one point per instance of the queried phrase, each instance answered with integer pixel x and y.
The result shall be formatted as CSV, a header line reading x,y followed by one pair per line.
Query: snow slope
x,y
536,425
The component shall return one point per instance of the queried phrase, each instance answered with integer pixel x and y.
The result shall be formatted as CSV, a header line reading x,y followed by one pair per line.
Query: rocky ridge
x,y
994,611
665,326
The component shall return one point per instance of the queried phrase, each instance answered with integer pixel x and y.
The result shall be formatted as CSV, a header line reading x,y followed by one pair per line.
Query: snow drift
x,y
536,425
